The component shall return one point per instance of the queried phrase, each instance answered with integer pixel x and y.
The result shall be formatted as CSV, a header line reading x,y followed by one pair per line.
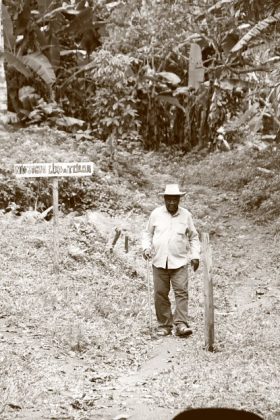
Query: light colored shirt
x,y
173,239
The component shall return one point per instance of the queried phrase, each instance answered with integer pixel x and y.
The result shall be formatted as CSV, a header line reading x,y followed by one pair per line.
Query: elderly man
x,y
169,234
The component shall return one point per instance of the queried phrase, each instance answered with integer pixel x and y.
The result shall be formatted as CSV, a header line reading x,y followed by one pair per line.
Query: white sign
x,y
36,170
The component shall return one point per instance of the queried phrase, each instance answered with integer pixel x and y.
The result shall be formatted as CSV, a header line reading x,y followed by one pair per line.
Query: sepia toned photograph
x,y
140,209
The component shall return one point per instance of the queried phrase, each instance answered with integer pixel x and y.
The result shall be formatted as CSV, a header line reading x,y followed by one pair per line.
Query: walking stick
x,y
149,293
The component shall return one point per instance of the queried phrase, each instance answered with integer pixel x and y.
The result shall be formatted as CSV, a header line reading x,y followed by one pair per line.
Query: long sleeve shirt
x,y
173,239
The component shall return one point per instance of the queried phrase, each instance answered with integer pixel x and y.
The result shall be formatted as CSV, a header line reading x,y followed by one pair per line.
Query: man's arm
x,y
194,245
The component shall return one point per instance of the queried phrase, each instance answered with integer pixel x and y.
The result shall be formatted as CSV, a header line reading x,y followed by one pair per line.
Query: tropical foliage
x,y
124,67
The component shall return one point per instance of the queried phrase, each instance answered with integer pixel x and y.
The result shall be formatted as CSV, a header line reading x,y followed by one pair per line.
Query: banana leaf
x,y
170,77
8,28
256,31
17,63
40,64
57,11
171,101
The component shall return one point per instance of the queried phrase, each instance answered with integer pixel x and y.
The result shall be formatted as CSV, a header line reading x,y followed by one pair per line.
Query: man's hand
x,y
147,254
195,264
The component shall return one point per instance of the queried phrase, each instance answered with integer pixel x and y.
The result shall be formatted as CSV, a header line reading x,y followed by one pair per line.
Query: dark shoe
x,y
183,330
163,331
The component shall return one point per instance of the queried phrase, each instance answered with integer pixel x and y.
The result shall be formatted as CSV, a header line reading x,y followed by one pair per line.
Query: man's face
x,y
172,203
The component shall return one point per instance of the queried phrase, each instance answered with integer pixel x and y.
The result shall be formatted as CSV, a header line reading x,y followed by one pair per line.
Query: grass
x,y
66,338
251,175
47,318
107,187
241,172
242,373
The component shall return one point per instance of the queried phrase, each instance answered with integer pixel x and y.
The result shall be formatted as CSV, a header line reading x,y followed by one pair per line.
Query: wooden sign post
x,y
55,225
54,170
208,292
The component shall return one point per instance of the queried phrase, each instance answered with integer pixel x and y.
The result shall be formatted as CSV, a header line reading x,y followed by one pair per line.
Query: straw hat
x,y
172,189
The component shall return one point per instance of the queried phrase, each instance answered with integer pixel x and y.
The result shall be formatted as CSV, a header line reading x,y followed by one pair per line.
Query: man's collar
x,y
173,215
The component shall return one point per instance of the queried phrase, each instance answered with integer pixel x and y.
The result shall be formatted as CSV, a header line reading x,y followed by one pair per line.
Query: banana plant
x,y
36,62
42,39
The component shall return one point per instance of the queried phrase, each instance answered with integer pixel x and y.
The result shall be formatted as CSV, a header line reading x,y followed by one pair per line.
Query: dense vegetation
x,y
123,68
121,74
117,83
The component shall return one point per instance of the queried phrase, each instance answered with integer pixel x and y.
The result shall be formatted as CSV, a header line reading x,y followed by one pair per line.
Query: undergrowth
x,y
106,189
253,175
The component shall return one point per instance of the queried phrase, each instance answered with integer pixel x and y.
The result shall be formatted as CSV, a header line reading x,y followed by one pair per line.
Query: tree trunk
x,y
3,84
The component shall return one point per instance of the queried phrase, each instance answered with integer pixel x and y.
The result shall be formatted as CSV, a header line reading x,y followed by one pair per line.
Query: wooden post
x,y
55,225
53,170
208,292
116,237
126,243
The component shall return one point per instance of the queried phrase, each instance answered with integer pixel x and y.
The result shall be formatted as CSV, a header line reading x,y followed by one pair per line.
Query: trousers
x,y
163,279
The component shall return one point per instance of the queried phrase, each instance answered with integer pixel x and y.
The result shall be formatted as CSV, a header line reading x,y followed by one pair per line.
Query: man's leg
x,y
162,302
179,281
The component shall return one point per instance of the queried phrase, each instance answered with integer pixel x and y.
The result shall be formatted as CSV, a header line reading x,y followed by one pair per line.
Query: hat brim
x,y
179,194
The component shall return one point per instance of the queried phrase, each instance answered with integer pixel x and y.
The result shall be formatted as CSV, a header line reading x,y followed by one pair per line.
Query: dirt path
x,y
246,281
55,374
130,391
